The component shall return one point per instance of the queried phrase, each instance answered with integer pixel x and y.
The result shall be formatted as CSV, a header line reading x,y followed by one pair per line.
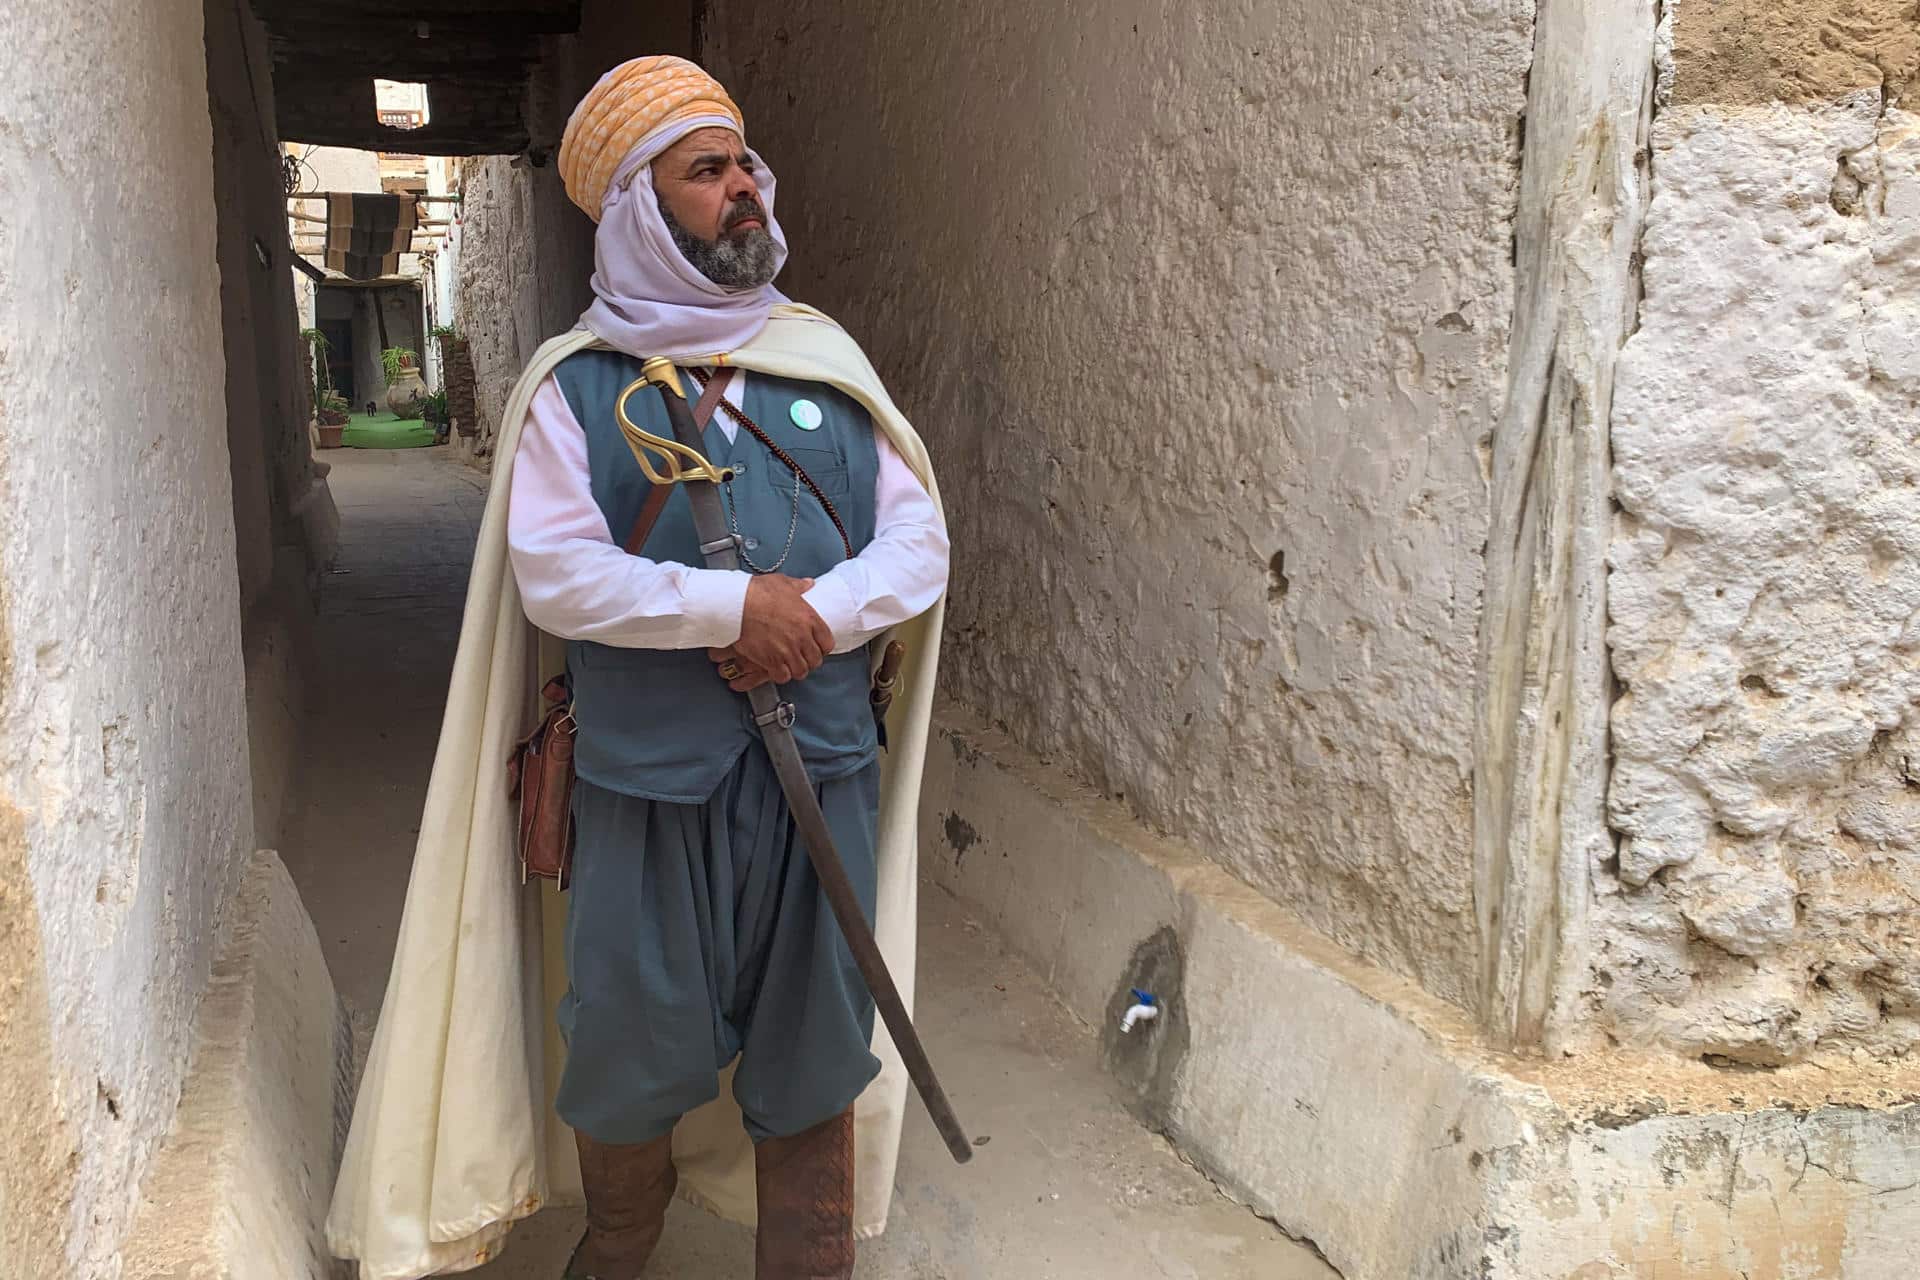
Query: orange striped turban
x,y
630,102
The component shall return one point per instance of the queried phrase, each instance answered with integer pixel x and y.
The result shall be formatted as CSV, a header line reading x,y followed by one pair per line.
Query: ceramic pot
x,y
406,387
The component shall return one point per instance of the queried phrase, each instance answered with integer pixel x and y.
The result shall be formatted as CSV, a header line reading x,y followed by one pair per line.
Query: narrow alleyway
x,y
1067,1187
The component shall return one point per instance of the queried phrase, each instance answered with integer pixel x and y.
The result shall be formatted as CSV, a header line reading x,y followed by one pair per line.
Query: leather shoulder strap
x,y
657,497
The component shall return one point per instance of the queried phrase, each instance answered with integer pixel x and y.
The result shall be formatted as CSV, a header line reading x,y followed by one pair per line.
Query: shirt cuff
x,y
833,600
712,601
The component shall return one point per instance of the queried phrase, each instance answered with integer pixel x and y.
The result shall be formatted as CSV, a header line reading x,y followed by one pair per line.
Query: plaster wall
x,y
125,787
305,297
338,169
1204,311
283,511
241,1189
1765,904
442,269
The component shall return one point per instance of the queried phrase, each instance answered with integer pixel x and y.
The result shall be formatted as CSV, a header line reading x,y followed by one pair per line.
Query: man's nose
x,y
740,184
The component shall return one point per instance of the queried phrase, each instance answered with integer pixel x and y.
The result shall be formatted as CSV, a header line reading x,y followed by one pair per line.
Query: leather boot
x,y
628,1190
805,1186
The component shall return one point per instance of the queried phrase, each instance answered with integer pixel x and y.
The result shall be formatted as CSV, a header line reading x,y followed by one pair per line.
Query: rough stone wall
x,y
125,785
1766,576
1751,52
506,303
1203,310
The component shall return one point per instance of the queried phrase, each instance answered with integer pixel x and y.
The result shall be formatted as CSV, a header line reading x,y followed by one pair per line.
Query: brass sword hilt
x,y
677,464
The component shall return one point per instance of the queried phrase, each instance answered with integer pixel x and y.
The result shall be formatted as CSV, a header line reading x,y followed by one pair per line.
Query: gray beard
x,y
738,262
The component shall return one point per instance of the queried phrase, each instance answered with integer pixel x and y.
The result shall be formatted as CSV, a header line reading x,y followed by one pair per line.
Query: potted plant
x,y
331,412
434,409
402,367
321,380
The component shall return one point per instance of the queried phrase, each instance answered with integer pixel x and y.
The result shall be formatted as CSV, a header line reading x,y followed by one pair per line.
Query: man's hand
x,y
781,637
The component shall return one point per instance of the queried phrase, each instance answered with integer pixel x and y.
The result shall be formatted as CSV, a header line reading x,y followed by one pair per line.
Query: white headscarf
x,y
648,299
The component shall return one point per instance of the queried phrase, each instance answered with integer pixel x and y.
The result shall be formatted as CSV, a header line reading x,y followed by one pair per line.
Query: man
x,y
697,930
696,937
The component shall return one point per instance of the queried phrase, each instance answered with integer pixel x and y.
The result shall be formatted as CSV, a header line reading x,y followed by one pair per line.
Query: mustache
x,y
744,208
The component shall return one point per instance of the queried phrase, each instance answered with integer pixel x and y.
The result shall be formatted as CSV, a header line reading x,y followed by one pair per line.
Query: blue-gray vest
x,y
660,723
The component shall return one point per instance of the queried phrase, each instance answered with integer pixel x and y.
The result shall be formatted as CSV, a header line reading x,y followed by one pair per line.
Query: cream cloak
x,y
454,1138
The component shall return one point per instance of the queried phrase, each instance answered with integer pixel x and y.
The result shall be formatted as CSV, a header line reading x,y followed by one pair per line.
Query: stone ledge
x,y
240,1188
1363,1115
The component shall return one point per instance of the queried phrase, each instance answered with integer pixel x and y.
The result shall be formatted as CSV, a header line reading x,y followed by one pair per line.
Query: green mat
x,y
384,431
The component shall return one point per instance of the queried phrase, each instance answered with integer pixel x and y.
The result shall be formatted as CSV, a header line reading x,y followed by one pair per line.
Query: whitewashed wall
x,y
445,267
124,788
1204,310
337,169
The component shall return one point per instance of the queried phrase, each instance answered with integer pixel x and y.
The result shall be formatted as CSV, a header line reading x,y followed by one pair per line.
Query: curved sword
x,y
681,460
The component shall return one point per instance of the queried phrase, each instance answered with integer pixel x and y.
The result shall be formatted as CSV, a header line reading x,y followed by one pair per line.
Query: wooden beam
x,y
441,138
272,12
464,62
322,195
424,222
420,243
496,32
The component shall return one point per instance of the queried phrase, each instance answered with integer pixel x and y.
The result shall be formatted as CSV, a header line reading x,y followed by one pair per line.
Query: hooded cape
x,y
454,1137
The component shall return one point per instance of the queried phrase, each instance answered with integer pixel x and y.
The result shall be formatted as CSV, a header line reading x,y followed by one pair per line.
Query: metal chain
x,y
786,460
740,542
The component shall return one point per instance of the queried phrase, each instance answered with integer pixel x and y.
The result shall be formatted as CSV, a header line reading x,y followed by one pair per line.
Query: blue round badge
x,y
806,415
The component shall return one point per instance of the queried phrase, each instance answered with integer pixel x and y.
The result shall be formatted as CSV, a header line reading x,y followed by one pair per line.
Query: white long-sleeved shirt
x,y
578,583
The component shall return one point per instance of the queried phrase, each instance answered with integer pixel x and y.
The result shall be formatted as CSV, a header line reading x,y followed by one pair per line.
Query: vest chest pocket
x,y
828,469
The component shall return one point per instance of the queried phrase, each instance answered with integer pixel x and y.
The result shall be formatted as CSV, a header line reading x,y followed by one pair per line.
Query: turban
x,y
649,300
629,103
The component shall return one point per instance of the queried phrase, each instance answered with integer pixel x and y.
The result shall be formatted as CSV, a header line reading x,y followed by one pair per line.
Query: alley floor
x,y
1066,1186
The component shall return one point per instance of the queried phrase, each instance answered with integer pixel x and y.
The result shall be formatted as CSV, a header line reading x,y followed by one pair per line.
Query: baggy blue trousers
x,y
697,933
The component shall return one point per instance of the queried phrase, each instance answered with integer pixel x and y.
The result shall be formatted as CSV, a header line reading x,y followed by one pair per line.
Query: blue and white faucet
x,y
1145,1009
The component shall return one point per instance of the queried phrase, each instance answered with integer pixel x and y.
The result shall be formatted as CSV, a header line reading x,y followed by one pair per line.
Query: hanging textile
x,y
367,233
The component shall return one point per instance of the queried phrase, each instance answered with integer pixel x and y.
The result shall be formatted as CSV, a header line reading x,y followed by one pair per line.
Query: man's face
x,y
705,181
705,184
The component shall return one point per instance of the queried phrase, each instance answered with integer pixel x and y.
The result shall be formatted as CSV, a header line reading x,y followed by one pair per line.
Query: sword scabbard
x,y
774,714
